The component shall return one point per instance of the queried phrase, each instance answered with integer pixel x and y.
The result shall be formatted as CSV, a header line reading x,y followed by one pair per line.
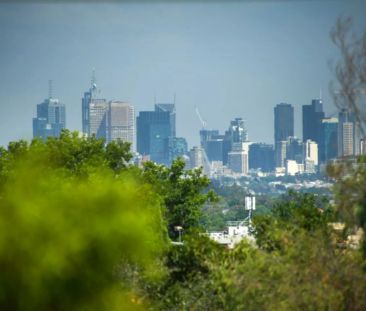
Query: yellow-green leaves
x,y
64,238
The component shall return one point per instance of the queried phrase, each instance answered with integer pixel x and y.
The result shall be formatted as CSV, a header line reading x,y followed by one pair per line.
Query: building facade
x,y
237,131
238,158
349,138
121,122
97,126
311,156
283,128
328,145
177,147
312,116
280,153
283,121
261,156
50,119
153,130
295,149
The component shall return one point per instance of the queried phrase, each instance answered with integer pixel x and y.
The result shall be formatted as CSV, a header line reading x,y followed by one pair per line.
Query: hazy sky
x,y
231,59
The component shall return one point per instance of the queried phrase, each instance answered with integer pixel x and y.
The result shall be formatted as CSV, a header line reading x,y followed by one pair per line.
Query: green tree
x,y
68,223
292,214
183,193
349,92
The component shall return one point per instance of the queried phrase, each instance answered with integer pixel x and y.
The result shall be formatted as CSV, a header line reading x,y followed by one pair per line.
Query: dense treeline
x,y
81,228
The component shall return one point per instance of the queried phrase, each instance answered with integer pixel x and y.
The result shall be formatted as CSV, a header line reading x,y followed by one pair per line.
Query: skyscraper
x,y
311,156
207,135
98,118
295,150
237,131
215,148
238,160
349,140
121,122
328,145
168,107
312,116
283,128
261,156
94,112
51,118
198,159
153,130
280,153
177,147
214,144
283,121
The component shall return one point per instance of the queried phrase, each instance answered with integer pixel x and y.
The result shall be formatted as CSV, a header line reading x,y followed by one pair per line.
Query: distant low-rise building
x,y
294,168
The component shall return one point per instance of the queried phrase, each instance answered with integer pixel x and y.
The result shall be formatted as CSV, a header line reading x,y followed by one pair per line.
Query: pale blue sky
x,y
232,59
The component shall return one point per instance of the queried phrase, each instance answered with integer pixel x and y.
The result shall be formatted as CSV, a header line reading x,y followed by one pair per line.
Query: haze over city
x,y
235,59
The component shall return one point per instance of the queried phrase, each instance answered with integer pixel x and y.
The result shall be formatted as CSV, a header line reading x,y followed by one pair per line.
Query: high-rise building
x,y
349,138
280,153
207,135
312,116
51,118
153,130
177,147
311,156
94,112
198,158
168,107
283,128
97,126
295,149
215,148
261,156
283,121
328,145
238,160
237,131
121,122
213,144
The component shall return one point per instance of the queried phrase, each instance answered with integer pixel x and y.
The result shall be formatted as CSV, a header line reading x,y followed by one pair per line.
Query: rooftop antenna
x,y
174,98
154,99
49,88
320,94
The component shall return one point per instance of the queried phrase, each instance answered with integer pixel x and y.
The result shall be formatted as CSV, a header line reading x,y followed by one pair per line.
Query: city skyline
x,y
237,67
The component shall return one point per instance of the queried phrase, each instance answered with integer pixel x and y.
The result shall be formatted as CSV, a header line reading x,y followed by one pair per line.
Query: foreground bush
x,y
63,235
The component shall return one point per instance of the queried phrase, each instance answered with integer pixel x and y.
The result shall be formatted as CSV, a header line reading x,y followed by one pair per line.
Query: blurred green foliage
x,y
66,222
350,194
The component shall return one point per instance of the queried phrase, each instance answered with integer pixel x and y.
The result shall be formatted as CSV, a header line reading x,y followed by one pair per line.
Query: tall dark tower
x,y
283,121
283,128
312,116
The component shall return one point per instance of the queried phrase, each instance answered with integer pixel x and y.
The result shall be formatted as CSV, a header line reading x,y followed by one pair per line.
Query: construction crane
x,y
203,122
